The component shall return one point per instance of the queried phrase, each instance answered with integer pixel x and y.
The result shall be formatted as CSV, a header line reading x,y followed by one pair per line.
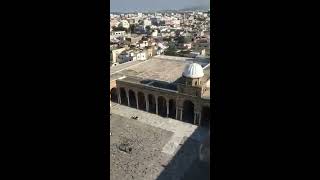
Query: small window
x,y
196,83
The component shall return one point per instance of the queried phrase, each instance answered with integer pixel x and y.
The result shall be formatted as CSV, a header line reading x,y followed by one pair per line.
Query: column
x,y
181,112
196,118
119,96
127,93
199,118
137,101
147,102
176,112
167,101
156,104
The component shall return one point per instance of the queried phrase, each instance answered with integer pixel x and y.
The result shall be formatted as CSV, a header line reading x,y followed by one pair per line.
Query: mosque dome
x,y
193,70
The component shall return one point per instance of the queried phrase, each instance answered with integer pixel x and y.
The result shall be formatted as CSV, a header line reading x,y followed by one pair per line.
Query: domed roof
x,y
193,70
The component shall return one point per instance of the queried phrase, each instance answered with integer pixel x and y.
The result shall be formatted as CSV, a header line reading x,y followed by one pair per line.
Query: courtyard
x,y
152,147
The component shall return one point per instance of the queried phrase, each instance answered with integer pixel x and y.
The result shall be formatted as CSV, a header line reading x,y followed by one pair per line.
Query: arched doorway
x,y
172,108
141,101
123,97
188,112
162,106
205,116
132,99
152,103
114,95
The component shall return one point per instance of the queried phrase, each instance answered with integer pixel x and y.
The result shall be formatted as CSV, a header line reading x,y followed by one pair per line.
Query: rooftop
x,y
160,68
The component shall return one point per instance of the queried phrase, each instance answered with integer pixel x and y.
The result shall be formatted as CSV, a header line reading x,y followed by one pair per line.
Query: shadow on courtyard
x,y
186,165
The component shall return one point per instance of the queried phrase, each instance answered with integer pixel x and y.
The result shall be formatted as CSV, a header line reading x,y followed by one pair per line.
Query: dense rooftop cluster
x,y
139,36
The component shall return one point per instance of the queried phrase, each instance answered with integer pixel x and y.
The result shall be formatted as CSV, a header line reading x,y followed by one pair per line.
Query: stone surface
x,y
161,68
146,142
180,128
161,148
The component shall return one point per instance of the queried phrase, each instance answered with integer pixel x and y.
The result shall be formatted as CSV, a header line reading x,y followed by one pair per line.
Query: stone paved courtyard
x,y
161,148
145,159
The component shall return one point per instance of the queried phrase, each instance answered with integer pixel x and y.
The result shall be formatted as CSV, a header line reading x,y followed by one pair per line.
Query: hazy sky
x,y
139,5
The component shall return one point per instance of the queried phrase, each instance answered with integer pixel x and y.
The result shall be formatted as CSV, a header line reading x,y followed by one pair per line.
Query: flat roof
x,y
123,66
115,76
160,68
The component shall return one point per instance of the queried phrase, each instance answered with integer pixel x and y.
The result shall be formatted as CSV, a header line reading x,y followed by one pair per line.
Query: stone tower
x,y
192,80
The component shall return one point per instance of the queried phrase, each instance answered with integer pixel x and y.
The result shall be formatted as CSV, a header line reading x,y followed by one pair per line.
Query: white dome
x,y
193,70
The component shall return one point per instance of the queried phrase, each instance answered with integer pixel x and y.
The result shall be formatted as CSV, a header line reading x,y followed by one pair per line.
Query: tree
x,y
180,39
148,28
183,39
167,39
132,28
172,50
119,29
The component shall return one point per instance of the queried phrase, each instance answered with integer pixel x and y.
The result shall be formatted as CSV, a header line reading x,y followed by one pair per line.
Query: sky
x,y
142,5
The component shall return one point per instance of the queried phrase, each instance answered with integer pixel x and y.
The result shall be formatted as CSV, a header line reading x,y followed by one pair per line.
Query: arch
x,y
188,112
205,116
172,108
123,97
162,106
142,101
114,95
132,99
152,103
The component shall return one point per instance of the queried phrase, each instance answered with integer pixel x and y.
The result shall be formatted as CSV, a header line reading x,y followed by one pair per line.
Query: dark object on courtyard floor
x,y
134,117
125,148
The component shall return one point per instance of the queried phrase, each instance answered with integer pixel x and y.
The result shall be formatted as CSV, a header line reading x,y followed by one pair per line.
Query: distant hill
x,y
193,8
196,8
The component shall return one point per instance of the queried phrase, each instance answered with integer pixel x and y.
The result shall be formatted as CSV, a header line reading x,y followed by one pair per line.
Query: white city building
x,y
124,24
